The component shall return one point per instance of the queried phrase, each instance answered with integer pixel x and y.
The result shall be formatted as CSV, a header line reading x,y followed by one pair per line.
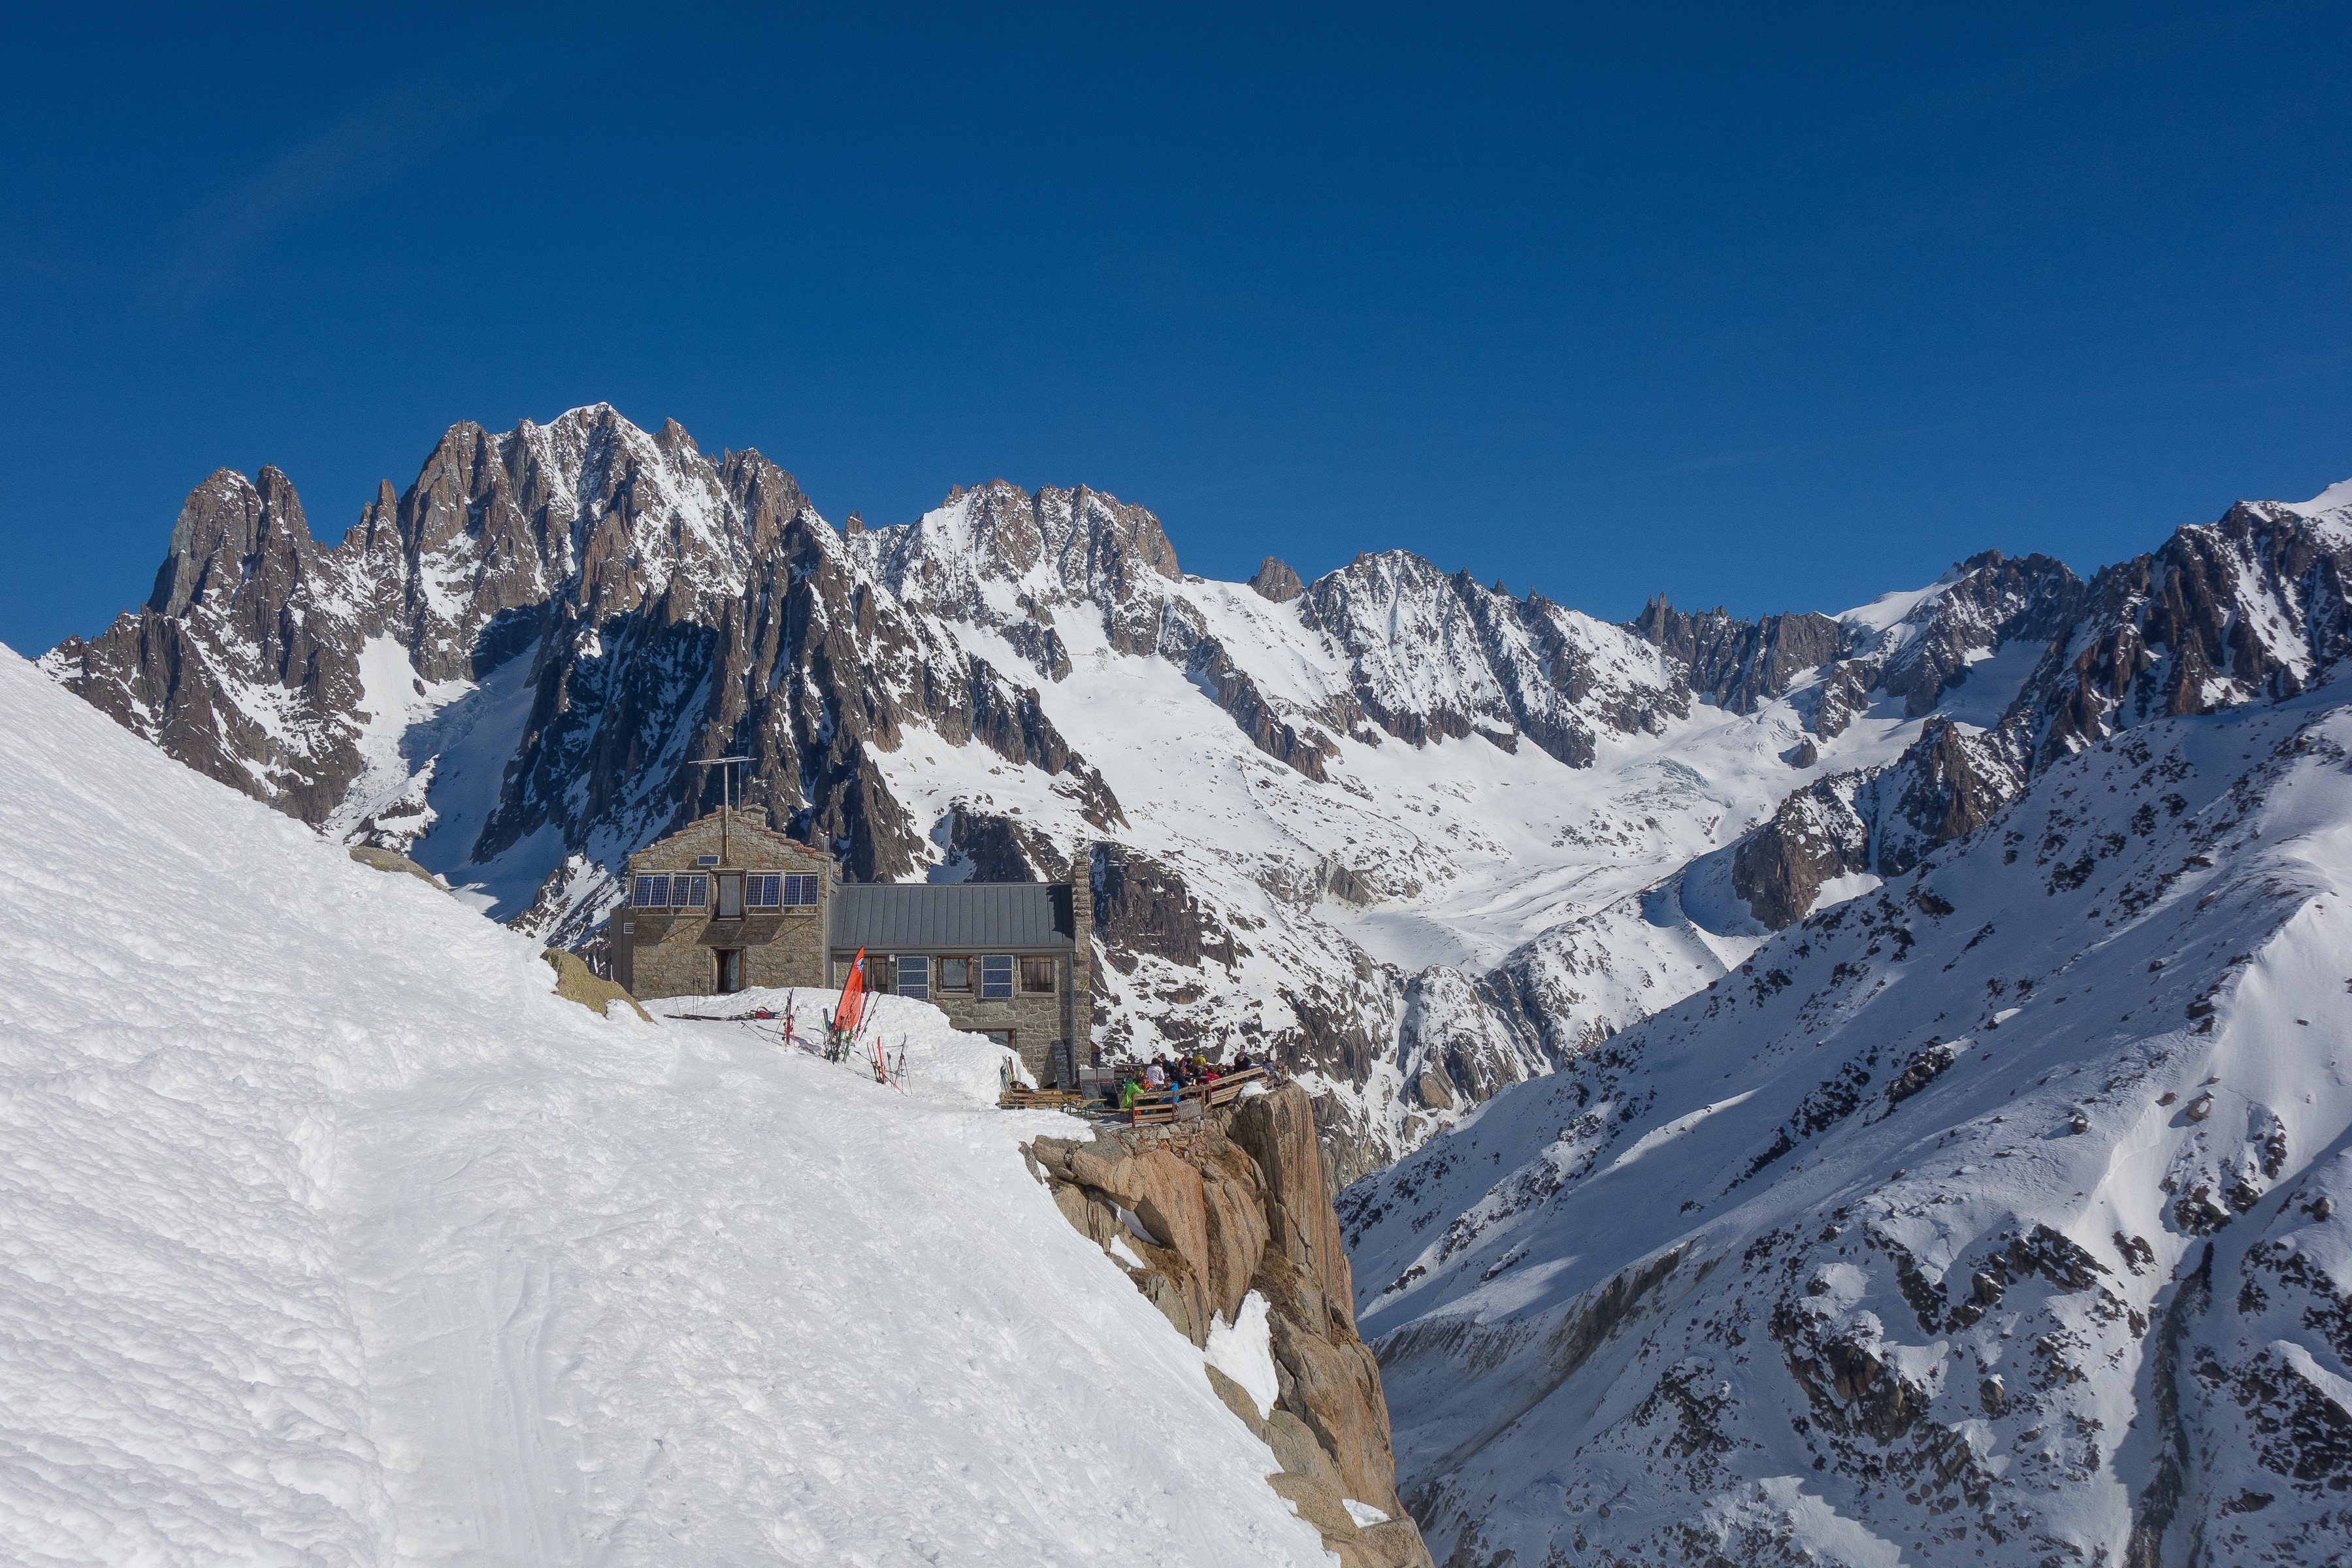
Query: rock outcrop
x,y
1735,664
1275,580
1209,1212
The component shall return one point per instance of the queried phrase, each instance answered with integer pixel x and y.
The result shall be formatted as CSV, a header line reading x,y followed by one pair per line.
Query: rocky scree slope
x,y
1414,837
1996,1215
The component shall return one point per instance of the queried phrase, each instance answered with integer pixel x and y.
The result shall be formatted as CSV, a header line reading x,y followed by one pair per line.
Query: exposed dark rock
x,y
1214,671
1002,848
1740,665
1277,582
2220,615
1387,611
1142,907
1779,868
1994,600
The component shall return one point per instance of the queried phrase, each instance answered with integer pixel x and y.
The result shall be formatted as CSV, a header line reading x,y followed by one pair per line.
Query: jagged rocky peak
x,y
1739,665
236,540
2248,608
588,508
1982,603
1032,551
1275,580
243,661
1434,654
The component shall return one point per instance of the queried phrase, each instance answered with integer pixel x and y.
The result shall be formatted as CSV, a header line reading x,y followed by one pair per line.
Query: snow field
x,y
332,1236
1745,1145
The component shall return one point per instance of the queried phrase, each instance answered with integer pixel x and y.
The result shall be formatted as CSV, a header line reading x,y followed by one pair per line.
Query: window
x,y
650,892
915,978
731,895
760,889
996,976
688,892
955,973
1037,972
800,891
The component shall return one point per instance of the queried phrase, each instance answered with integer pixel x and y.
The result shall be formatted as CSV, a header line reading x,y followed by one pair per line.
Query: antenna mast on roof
x,y
725,795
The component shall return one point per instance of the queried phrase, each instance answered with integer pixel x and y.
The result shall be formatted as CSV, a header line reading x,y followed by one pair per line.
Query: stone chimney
x,y
1082,955
754,815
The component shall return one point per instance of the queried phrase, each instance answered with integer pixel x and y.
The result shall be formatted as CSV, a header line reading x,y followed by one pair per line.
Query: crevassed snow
x,y
334,1238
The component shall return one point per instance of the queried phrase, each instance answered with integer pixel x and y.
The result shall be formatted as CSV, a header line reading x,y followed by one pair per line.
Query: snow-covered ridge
x,y
1417,837
337,1238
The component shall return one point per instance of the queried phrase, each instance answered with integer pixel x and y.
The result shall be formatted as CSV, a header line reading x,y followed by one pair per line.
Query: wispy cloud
x,y
382,138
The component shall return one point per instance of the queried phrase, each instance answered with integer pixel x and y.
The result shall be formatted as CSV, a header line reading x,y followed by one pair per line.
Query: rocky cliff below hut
x,y
1202,1217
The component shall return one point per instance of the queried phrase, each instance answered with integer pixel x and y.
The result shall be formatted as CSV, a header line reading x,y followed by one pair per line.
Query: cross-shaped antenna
x,y
725,795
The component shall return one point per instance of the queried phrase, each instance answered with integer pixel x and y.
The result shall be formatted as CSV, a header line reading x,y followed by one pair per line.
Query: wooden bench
x,y
1152,1106
1039,1099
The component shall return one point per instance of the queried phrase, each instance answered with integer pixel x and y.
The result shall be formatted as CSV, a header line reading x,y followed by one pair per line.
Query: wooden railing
x,y
1151,1107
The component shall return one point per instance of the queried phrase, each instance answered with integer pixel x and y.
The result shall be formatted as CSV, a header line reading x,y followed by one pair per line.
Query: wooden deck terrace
x,y
1152,1108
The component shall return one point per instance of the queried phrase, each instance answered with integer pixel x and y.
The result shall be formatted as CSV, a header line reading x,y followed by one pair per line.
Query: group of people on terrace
x,y
1166,1076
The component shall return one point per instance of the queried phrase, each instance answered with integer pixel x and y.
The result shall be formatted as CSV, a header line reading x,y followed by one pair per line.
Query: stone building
x,y
1008,960
726,903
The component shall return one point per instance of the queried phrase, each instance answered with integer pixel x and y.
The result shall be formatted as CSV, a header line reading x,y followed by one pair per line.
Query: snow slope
x,y
1997,1216
331,1237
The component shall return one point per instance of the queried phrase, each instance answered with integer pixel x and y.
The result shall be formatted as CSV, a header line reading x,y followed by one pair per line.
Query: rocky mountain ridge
x,y
1417,838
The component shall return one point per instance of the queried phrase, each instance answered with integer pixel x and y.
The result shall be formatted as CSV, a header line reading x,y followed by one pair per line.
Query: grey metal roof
x,y
960,917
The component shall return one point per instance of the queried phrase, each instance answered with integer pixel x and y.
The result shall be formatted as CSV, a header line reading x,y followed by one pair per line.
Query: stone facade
x,y
672,951
1032,1021
679,952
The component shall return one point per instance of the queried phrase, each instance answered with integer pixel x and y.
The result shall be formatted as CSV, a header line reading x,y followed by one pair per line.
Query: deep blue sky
x,y
1779,308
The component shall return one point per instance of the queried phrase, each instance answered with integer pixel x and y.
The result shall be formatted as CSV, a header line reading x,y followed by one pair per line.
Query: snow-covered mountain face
x,y
1998,1214
1416,837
